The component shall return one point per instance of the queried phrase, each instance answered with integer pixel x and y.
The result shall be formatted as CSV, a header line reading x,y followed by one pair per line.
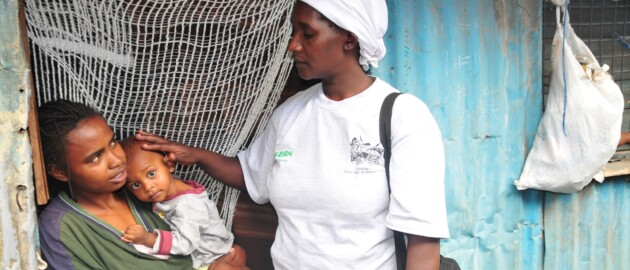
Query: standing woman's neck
x,y
352,81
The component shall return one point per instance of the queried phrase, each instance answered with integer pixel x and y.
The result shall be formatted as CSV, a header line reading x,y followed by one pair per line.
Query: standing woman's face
x,y
317,46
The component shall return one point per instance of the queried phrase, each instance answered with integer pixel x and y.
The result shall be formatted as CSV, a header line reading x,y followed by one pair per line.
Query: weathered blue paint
x,y
589,229
477,65
18,224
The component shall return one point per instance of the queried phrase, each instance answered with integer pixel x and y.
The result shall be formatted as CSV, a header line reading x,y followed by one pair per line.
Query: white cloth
x,y
319,162
197,227
365,18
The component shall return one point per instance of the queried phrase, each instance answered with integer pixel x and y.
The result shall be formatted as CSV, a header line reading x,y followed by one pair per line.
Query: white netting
x,y
204,73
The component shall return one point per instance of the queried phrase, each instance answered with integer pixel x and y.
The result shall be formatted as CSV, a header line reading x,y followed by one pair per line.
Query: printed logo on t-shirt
x,y
364,153
365,157
283,156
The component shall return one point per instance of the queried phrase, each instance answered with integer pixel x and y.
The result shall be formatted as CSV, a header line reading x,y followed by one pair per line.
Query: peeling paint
x,y
17,207
499,14
477,74
477,65
529,9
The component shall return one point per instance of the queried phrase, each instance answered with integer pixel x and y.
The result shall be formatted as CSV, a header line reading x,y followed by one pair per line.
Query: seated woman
x,y
81,228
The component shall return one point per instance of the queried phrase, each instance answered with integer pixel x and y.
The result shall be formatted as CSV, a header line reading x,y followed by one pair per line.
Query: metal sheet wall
x,y
17,206
589,229
477,65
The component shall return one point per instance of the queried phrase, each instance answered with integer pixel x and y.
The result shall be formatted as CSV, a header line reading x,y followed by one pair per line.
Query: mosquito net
x,y
203,73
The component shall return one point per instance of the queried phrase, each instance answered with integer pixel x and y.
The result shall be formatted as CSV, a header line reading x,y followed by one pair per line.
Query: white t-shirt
x,y
319,162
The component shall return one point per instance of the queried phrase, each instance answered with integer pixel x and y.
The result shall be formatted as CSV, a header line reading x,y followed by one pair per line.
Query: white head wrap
x,y
365,18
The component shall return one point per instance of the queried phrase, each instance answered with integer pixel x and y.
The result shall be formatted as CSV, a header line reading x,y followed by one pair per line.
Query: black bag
x,y
385,126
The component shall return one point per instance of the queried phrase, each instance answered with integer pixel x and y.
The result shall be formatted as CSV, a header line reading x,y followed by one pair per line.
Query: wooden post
x,y
39,170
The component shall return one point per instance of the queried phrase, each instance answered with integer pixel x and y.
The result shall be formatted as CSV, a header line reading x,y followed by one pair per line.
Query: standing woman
x,y
319,161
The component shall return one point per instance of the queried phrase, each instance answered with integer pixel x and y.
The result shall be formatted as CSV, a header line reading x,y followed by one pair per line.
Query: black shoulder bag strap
x,y
385,126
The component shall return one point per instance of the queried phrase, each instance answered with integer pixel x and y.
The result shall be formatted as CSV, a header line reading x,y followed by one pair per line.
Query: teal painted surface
x,y
477,65
17,209
589,229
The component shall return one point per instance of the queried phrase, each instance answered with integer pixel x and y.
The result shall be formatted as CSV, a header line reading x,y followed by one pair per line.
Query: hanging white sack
x,y
577,136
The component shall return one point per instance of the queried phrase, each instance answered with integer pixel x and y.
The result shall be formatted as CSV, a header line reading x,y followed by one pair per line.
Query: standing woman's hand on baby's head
x,y
176,152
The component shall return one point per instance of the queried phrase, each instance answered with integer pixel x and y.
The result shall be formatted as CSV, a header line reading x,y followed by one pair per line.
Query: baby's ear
x,y
58,173
169,164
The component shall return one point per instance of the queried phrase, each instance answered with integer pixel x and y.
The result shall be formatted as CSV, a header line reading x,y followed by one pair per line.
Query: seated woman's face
x,y
316,44
95,160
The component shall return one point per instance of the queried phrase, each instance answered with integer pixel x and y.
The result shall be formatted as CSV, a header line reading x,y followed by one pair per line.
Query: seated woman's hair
x,y
56,120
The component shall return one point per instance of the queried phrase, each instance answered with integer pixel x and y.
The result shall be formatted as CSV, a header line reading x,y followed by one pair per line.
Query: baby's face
x,y
149,176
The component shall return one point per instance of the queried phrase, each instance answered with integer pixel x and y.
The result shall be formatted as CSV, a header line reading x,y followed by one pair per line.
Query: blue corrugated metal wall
x,y
477,65
17,206
589,229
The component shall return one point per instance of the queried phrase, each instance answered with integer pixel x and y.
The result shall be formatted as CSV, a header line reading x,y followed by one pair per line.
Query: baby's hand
x,y
135,234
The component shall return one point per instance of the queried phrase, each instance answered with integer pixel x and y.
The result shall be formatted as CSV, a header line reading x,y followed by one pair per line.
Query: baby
x,y
197,228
